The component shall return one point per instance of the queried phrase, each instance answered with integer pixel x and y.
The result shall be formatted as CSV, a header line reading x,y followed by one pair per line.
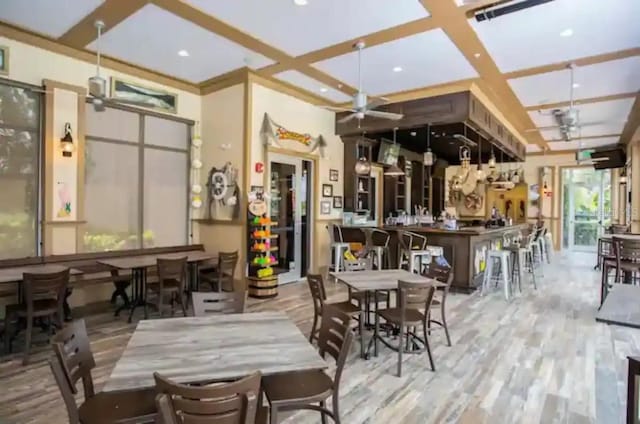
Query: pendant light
x,y
480,175
363,165
492,159
394,170
428,158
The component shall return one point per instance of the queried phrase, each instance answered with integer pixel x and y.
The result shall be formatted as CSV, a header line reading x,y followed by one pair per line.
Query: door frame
x,y
561,205
313,217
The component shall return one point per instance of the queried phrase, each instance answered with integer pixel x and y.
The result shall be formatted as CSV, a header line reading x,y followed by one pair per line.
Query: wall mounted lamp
x,y
66,142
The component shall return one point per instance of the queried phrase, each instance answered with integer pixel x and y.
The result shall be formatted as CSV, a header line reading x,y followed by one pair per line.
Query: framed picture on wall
x,y
4,60
327,190
151,98
325,207
333,175
337,202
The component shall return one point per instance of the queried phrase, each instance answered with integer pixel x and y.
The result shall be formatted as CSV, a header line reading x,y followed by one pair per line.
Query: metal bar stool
x,y
502,258
337,247
377,246
413,248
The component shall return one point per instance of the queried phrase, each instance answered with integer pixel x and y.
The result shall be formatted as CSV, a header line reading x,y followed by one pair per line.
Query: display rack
x,y
262,276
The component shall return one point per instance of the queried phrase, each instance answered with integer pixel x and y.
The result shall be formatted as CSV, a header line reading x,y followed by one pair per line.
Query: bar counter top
x,y
468,231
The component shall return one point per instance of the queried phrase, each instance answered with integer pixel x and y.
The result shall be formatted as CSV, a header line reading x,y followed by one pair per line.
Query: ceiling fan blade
x,y
375,102
595,123
347,118
552,127
338,109
384,115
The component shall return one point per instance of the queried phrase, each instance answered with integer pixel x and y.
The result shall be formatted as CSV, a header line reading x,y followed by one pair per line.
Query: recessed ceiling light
x,y
566,33
300,2
183,53
576,85
397,69
477,55
323,89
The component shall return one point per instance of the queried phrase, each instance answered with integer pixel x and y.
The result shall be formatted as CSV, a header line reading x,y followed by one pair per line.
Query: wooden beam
x,y
586,137
493,84
588,100
111,12
46,43
553,153
581,61
289,89
238,76
472,7
633,124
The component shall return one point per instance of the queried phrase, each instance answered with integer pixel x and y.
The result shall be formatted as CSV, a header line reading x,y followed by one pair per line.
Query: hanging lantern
x,y
492,160
428,159
394,170
480,174
363,166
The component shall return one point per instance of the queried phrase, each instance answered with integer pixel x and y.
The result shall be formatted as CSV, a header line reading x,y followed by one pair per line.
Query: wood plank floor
x,y
541,358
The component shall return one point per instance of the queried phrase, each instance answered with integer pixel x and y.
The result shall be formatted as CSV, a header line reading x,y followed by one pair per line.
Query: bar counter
x,y
465,249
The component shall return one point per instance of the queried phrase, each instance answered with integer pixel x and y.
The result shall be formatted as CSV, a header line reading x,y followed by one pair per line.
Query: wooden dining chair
x,y
223,275
414,298
303,389
44,296
319,298
209,303
172,280
627,253
443,274
236,402
74,361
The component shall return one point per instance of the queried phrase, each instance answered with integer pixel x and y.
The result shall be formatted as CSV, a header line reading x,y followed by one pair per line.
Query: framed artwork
x,y
4,60
333,175
151,98
337,202
327,190
325,207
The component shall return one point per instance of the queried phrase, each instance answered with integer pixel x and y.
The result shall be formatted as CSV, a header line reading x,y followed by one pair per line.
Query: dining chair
x,y
303,389
236,402
627,253
172,280
223,274
414,298
443,274
74,361
211,303
319,297
43,297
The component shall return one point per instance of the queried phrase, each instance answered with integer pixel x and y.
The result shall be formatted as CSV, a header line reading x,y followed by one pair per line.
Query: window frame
x,y
142,146
39,174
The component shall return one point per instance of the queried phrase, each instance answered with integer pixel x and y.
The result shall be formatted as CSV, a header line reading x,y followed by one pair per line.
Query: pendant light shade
x,y
363,166
394,171
492,160
480,174
428,159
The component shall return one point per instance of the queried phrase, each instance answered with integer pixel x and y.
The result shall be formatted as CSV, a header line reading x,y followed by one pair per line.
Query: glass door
x,y
290,181
587,207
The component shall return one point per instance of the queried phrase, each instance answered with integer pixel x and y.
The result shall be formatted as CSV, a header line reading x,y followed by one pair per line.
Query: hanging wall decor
x,y
196,164
272,133
224,193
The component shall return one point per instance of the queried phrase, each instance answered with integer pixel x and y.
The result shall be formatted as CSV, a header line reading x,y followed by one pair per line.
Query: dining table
x,y
373,282
216,348
139,264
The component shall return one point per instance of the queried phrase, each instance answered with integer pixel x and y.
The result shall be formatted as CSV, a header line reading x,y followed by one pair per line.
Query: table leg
x,y
138,277
361,327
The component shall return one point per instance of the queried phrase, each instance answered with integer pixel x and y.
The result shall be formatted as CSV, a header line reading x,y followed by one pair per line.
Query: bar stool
x,y
548,248
337,247
536,249
503,258
413,248
530,262
512,242
378,252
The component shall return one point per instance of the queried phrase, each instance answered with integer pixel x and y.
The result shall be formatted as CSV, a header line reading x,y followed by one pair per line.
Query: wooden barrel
x,y
263,288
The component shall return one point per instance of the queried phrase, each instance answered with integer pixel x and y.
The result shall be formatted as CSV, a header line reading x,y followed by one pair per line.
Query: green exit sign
x,y
583,155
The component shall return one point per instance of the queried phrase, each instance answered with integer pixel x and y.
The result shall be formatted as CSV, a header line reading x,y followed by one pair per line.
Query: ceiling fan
x,y
567,120
98,85
360,107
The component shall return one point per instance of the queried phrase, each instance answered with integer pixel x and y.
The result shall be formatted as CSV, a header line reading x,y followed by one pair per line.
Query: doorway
x,y
291,210
586,207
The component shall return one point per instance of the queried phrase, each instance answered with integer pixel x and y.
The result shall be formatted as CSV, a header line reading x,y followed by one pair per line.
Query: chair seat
x,y
168,285
107,408
360,295
40,307
345,307
393,315
298,387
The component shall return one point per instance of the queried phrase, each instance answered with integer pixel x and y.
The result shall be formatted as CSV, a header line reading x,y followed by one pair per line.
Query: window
x,y
136,180
20,135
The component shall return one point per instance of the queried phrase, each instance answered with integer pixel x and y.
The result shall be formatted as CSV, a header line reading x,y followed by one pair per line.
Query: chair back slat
x,y
212,303
230,403
442,273
335,338
414,296
318,293
626,249
172,269
45,286
73,351
65,390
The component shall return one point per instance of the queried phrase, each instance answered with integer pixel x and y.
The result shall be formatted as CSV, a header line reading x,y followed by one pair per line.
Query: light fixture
x,y
476,55
363,167
413,133
428,158
394,170
576,85
480,174
566,33
66,142
183,53
323,89
300,2
492,160
397,69
623,176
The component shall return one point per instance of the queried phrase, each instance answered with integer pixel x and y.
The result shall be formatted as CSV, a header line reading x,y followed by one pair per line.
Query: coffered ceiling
x,y
414,47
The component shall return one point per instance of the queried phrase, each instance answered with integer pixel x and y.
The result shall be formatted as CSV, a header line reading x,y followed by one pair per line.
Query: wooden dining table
x,y
138,266
212,349
372,282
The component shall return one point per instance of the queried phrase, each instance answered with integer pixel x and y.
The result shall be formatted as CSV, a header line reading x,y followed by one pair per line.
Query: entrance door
x,y
587,207
290,186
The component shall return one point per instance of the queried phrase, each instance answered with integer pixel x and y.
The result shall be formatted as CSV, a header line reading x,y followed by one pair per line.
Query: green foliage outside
x,y
17,235
100,241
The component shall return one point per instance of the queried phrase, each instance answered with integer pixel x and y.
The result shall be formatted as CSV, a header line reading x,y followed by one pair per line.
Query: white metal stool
x,y
413,250
377,246
337,247
502,258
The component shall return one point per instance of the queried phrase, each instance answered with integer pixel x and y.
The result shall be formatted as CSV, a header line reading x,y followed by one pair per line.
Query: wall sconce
x,y
66,142
623,176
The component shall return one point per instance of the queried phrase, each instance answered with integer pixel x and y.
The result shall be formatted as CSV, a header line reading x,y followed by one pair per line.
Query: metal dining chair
x,y
443,274
74,361
211,303
172,282
319,297
223,275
